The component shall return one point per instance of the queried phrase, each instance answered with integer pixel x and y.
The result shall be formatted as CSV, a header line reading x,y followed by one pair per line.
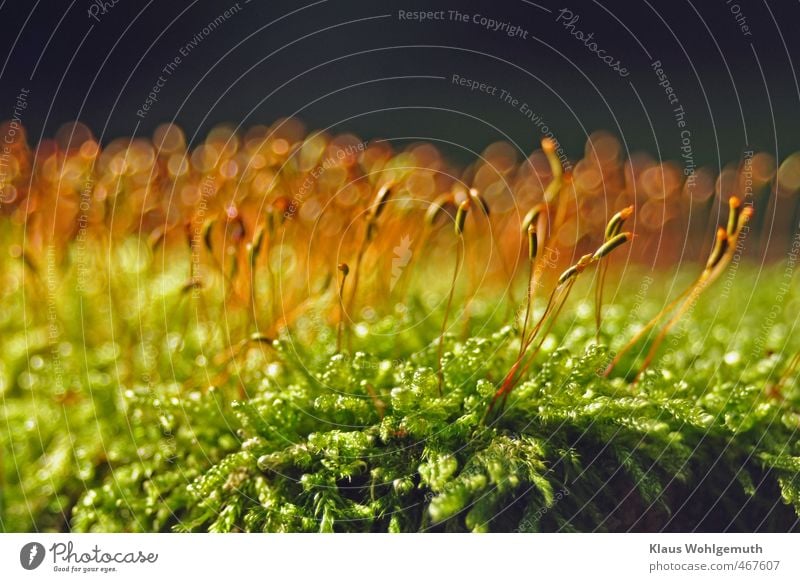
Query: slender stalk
x,y
598,299
481,203
561,209
720,256
685,306
635,339
253,249
561,291
460,221
561,302
357,271
409,272
548,308
435,209
507,385
378,205
533,250
791,368
472,291
613,229
528,302
457,266
340,327
273,285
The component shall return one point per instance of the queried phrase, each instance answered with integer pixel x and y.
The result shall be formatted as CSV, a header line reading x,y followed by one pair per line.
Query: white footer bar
x,y
389,558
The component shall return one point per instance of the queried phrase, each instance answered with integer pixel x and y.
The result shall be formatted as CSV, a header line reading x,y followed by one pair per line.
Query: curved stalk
x,y
457,266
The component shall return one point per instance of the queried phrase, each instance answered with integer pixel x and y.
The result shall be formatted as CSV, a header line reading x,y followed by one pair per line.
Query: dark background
x,y
739,92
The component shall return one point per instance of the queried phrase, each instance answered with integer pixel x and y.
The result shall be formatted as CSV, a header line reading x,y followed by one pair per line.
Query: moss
x,y
125,425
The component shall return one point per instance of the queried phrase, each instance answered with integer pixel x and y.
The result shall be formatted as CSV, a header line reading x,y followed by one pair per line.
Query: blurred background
x,y
357,66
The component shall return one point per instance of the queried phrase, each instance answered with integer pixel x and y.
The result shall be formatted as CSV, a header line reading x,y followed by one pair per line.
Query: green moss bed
x,y
134,406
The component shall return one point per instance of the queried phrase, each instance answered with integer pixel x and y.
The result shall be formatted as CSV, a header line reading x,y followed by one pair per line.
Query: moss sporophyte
x,y
224,338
